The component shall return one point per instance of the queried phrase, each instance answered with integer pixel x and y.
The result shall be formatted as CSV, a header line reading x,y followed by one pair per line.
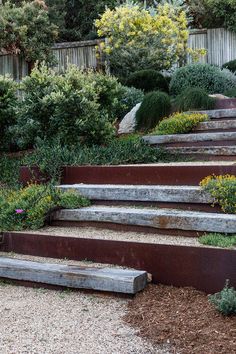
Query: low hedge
x,y
148,80
194,99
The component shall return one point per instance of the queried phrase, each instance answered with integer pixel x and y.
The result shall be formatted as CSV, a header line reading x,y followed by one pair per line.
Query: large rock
x,y
219,96
127,125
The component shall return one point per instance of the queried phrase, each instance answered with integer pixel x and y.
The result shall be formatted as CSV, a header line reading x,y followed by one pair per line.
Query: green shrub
x,y
9,171
148,80
231,93
65,107
218,240
230,65
8,102
210,78
223,191
50,158
155,106
193,99
225,300
29,207
179,123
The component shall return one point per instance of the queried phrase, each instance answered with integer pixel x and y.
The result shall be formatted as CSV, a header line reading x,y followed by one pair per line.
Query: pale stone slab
x,y
220,124
128,123
104,279
157,218
218,113
179,138
205,150
162,193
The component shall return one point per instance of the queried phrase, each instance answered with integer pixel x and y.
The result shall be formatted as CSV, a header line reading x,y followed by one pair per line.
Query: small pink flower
x,y
19,211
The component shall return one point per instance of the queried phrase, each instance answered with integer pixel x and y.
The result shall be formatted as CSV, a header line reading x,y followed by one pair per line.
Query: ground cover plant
x,y
154,107
225,300
29,207
218,240
223,190
179,123
193,99
210,78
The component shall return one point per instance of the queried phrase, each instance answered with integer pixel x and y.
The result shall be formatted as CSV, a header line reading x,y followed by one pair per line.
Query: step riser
x,y
211,151
151,194
218,113
221,125
207,144
159,219
203,268
105,279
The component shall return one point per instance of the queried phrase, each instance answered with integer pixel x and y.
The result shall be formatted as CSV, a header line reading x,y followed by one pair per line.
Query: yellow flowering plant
x,y
138,37
223,190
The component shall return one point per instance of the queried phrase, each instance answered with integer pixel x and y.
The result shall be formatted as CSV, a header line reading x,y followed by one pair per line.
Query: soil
x,y
184,318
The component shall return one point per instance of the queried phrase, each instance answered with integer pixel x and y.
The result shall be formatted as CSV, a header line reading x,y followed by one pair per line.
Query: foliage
x,y
230,65
8,101
143,38
27,30
179,123
9,171
148,80
120,151
155,106
194,98
231,93
65,107
29,207
225,300
223,191
210,78
222,14
218,240
127,98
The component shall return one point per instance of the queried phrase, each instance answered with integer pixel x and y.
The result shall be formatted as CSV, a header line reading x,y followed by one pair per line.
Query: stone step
x,y
160,193
73,276
218,113
190,138
214,151
217,125
154,218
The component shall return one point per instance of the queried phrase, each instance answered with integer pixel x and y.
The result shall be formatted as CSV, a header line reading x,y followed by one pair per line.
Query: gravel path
x,y
39,321
105,234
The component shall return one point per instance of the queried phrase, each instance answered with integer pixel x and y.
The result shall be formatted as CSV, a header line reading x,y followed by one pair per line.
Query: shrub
x,y
223,190
179,123
231,93
218,240
143,38
155,106
194,98
8,102
230,65
29,207
9,171
148,80
225,300
64,107
210,78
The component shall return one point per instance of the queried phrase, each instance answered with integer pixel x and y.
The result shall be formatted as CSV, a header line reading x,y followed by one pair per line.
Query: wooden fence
x,y
219,43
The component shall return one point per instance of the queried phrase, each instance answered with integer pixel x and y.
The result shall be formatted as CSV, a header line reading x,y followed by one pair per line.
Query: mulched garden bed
x,y
184,318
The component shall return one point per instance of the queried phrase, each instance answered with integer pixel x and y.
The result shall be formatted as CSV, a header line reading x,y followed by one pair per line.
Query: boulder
x,y
219,96
127,125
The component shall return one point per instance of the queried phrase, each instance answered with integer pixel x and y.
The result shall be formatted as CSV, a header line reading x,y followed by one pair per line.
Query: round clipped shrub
x,y
148,80
155,106
194,98
205,76
231,93
230,65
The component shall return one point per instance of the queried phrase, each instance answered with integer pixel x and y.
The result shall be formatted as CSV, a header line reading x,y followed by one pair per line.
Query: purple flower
x,y
19,211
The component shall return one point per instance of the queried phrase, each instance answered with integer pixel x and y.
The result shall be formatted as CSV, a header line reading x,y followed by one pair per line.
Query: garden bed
x,y
185,318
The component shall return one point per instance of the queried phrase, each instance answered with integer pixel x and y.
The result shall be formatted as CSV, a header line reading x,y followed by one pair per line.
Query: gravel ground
x,y
40,321
105,234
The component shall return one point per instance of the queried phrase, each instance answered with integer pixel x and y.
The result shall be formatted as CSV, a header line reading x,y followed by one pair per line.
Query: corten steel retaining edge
x,y
204,268
132,174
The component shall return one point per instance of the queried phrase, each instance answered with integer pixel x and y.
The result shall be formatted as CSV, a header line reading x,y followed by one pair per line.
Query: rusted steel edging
x,y
133,174
203,268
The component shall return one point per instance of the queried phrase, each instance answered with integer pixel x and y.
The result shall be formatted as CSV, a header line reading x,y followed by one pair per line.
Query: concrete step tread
x,y
218,113
207,150
157,218
74,276
152,193
211,136
221,124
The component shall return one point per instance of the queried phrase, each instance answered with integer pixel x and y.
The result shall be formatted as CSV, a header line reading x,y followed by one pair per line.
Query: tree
x,y
26,30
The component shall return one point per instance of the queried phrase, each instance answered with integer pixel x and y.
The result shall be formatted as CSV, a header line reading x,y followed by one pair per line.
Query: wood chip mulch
x,y
184,318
